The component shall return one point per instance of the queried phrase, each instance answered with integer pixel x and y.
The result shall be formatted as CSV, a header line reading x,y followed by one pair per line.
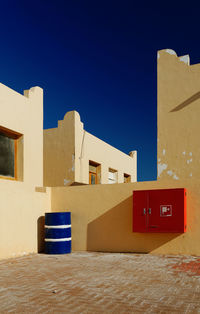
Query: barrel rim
x,y
57,213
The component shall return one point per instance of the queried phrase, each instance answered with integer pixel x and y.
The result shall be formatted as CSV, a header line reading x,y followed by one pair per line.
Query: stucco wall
x,y
90,148
24,114
102,215
69,148
22,218
21,206
178,117
59,152
102,219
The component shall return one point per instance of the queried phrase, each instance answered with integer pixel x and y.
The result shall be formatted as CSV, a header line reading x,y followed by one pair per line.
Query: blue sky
x,y
99,58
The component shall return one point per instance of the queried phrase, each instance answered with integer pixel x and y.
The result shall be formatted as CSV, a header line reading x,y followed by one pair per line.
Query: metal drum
x,y
58,233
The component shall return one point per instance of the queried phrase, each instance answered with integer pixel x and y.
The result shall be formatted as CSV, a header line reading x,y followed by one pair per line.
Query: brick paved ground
x,y
100,283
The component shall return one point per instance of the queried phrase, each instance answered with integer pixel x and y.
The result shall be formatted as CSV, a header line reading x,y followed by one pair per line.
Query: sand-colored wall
x,y
178,117
102,219
69,148
24,114
21,206
102,215
90,148
22,212
59,152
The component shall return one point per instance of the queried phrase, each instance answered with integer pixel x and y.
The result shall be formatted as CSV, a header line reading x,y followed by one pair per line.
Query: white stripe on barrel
x,y
57,240
58,227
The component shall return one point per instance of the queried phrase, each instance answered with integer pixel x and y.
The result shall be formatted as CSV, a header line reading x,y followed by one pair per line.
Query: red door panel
x,y
140,201
167,208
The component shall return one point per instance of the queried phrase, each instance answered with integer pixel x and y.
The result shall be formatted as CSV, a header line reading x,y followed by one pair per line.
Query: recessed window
x,y
94,172
127,178
112,176
10,160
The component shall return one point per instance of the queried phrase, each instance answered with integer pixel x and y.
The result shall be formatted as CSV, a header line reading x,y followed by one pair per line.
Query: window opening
x,y
127,178
94,173
9,153
112,176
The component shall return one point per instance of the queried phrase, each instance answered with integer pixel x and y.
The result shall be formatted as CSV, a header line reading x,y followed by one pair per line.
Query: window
x,y
10,161
112,176
127,178
94,172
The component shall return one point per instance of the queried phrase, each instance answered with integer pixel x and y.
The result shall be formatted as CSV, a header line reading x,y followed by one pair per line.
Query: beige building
x,y
102,214
72,155
23,202
178,117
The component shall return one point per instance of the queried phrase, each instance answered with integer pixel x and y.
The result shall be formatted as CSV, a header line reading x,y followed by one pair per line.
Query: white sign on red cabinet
x,y
165,210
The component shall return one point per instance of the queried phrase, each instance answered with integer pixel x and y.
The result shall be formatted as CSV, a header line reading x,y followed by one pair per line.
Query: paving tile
x,y
84,282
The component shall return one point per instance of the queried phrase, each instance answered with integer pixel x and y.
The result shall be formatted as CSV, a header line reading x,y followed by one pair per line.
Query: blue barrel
x,y
58,233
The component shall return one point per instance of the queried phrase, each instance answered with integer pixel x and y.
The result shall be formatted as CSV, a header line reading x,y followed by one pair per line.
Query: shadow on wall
x,y
112,232
187,102
40,234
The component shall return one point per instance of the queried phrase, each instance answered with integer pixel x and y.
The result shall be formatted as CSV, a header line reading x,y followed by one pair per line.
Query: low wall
x,y
22,211
102,219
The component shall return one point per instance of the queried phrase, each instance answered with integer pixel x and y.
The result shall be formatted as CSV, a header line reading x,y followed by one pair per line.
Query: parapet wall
x,y
59,153
68,149
178,117
102,218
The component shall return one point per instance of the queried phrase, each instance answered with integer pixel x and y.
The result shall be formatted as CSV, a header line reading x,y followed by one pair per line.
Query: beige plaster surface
x,y
24,114
90,148
102,218
20,205
21,208
102,215
69,148
59,152
178,118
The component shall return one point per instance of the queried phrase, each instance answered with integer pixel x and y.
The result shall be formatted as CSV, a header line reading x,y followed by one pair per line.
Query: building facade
x,y
72,155
23,198
102,214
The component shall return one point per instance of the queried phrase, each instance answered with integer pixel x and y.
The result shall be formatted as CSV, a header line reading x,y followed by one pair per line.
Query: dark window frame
x,y
15,136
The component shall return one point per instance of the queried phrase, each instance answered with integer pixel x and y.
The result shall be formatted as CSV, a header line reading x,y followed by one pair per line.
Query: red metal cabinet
x,y
159,210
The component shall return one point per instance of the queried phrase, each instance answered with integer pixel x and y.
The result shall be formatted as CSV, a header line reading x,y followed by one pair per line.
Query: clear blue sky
x,y
99,58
